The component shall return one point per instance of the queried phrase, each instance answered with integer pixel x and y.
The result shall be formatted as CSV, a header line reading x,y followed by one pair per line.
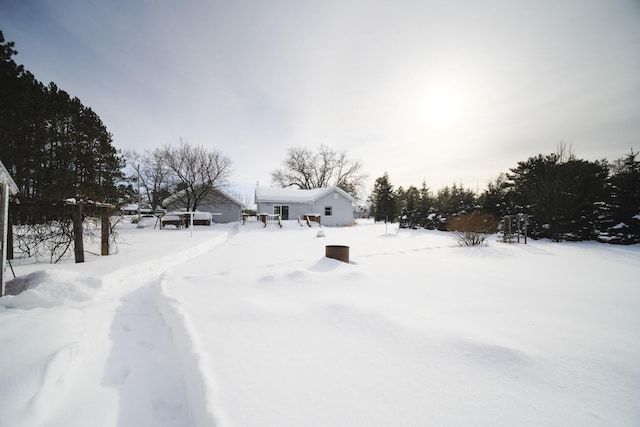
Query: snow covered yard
x,y
252,326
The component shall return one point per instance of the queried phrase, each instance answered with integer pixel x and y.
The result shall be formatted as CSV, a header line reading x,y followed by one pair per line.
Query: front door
x,y
283,211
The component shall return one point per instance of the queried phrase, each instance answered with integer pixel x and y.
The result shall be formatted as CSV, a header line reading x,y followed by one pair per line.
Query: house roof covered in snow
x,y
181,193
296,195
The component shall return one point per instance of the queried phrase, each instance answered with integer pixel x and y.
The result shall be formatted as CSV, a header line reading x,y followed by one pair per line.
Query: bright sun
x,y
442,107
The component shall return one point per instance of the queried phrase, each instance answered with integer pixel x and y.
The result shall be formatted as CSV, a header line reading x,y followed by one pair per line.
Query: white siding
x,y
341,209
217,202
230,211
340,203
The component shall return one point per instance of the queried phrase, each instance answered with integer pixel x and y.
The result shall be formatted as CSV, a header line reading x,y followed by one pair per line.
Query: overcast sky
x,y
440,91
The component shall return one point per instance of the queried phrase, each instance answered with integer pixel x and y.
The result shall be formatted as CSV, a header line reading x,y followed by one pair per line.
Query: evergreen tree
x,y
624,223
559,193
410,208
382,200
452,201
495,199
426,208
54,147
583,189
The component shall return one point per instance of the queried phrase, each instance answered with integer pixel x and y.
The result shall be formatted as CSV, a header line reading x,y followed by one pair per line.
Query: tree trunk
x,y
77,234
105,228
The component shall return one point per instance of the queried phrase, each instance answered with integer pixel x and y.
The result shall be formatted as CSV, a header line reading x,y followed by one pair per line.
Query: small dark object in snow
x,y
339,252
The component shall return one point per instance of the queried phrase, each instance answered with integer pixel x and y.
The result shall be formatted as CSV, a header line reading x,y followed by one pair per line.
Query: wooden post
x,y
78,242
10,254
105,229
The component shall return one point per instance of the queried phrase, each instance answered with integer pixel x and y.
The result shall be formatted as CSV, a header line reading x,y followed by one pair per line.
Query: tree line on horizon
x,y
56,148
562,197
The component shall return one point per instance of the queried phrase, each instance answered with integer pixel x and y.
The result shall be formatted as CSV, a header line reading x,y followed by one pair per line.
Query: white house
x,y
333,205
223,206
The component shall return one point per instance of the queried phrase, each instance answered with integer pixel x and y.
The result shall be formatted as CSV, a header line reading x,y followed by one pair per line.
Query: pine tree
x,y
410,208
382,200
495,199
624,184
452,201
54,147
426,208
559,193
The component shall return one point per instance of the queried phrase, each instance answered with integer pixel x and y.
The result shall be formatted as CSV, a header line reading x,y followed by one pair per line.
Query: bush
x,y
473,229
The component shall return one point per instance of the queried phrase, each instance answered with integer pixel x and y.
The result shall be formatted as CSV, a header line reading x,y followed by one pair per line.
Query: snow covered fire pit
x,y
339,252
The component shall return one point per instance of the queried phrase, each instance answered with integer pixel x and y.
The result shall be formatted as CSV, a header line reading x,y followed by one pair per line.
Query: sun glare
x,y
442,107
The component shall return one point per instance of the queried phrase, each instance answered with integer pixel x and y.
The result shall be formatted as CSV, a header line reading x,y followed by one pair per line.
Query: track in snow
x,y
143,365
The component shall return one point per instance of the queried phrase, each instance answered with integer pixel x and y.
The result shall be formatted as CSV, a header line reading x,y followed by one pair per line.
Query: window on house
x,y
328,210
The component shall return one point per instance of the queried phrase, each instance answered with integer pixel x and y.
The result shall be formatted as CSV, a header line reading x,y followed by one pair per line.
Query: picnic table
x,y
184,219
177,220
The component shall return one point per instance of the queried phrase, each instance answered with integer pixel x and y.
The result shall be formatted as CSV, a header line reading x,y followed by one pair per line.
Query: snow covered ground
x,y
240,325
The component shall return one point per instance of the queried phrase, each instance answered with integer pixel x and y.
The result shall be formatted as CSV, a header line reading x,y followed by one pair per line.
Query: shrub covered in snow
x,y
473,229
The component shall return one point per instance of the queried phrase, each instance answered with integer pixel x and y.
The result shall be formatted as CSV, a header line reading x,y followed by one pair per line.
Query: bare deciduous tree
x,y
306,170
153,173
197,172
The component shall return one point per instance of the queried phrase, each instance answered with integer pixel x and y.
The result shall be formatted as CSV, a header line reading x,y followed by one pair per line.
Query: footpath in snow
x,y
86,344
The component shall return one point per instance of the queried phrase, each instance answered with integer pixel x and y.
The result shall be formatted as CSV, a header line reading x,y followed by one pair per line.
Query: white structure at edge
x,y
8,188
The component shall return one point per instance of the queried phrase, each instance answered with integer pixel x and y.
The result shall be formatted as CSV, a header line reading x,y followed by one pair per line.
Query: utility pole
x,y
139,198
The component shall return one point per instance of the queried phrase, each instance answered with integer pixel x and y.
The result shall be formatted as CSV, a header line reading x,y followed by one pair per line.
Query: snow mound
x,y
48,288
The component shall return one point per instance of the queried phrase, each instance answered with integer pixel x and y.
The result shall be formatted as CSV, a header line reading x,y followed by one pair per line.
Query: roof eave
x,y
5,178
